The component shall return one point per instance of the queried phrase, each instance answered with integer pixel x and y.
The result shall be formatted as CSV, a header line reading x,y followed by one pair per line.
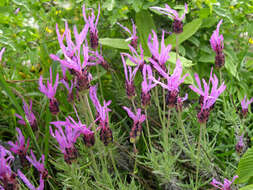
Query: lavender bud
x,y
54,106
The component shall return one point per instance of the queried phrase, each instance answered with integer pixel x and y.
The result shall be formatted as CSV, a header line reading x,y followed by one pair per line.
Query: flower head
x,y
240,145
226,186
1,54
133,34
208,98
103,117
19,147
66,140
29,114
146,85
129,75
69,88
245,104
173,81
50,89
39,165
28,183
138,119
158,56
217,45
92,21
177,23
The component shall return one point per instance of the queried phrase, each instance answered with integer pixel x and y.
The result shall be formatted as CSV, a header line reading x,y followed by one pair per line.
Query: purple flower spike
x,y
19,147
138,119
240,145
129,74
30,116
7,177
146,85
162,56
173,81
226,186
245,104
217,45
1,54
103,117
207,99
39,165
28,183
180,101
90,20
133,37
66,140
50,92
177,23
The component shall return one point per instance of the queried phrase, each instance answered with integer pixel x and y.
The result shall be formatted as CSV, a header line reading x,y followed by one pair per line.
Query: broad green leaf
x,y
185,62
145,25
248,187
189,29
114,42
231,66
245,167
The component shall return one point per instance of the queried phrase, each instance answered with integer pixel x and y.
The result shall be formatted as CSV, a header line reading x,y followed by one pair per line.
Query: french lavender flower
x,y
50,92
1,54
146,85
180,101
245,104
99,59
158,56
240,145
66,140
207,99
7,177
90,20
133,37
226,186
129,74
137,59
70,89
39,165
29,184
20,147
103,117
217,45
173,82
29,115
177,21
138,119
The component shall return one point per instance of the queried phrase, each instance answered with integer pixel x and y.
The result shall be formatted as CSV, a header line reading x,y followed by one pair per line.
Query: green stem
x,y
164,105
198,155
100,83
181,124
135,159
132,100
147,125
158,104
114,165
177,54
223,96
94,162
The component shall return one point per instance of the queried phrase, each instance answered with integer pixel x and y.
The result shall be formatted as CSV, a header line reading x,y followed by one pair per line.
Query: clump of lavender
x,y
29,115
103,117
173,82
138,119
217,45
161,56
129,75
50,92
207,99
8,179
146,85
38,164
66,140
92,21
29,184
20,147
225,186
245,104
177,21
133,37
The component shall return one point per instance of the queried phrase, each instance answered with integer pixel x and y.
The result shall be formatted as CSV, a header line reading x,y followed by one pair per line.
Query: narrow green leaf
x,y
245,167
114,42
189,29
248,187
145,25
